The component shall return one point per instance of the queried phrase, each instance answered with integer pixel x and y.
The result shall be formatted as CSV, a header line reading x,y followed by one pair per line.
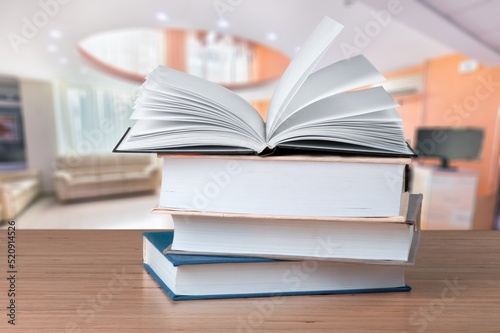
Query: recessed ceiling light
x,y
54,33
52,48
272,36
223,23
162,16
63,60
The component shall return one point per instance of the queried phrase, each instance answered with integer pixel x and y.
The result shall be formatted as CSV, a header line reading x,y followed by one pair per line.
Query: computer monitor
x,y
449,143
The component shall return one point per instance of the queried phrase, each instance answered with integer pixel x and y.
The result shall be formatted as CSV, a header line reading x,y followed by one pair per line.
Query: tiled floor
x,y
132,212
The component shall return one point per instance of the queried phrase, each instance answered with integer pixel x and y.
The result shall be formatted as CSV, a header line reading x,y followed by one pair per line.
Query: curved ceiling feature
x,y
234,62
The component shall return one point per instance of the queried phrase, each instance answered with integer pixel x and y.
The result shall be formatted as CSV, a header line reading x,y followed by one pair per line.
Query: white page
x,y
157,94
188,141
180,117
214,93
343,144
381,120
341,76
154,134
348,130
375,143
389,116
200,110
157,126
143,109
344,105
338,189
367,131
180,111
165,91
339,106
301,66
178,93
166,128
261,236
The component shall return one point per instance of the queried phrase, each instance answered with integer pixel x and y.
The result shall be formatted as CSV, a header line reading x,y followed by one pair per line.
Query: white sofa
x,y
78,177
17,190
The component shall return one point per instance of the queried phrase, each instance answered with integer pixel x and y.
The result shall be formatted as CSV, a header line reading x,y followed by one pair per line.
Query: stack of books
x,y
282,225
314,201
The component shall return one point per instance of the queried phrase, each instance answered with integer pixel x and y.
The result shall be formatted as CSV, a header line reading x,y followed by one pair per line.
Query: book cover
x,y
160,240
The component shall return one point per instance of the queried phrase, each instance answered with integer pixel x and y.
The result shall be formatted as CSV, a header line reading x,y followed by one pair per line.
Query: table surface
x,y
93,281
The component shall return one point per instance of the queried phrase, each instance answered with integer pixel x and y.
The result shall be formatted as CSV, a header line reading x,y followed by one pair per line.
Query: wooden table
x,y
93,281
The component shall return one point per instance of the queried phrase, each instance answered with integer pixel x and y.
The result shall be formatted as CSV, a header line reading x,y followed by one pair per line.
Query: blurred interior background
x,y
70,71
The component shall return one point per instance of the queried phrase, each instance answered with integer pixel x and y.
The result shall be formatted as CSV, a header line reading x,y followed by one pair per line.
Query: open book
x,y
326,110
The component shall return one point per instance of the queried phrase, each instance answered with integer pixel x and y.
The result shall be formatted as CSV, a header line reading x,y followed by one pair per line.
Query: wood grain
x,y
65,283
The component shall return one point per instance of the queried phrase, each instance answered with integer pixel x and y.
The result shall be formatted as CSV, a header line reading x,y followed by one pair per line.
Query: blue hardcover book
x,y
187,277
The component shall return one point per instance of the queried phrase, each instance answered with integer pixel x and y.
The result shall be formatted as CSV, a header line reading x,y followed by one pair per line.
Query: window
x,y
91,119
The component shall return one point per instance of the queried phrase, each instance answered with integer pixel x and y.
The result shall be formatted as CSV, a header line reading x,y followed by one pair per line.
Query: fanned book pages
x,y
327,110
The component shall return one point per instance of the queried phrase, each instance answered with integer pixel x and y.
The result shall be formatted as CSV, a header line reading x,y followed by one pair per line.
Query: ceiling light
x,y
223,23
52,48
272,36
54,33
162,16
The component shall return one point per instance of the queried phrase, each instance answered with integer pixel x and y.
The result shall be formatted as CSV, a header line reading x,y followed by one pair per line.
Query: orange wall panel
x,y
450,99
405,72
261,107
410,110
175,40
471,99
268,63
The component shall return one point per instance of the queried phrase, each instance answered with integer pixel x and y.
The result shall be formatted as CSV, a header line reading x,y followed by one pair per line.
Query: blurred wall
x,y
40,128
452,98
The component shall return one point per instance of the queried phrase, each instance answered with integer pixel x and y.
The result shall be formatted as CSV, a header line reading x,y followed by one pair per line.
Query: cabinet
x,y
449,197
